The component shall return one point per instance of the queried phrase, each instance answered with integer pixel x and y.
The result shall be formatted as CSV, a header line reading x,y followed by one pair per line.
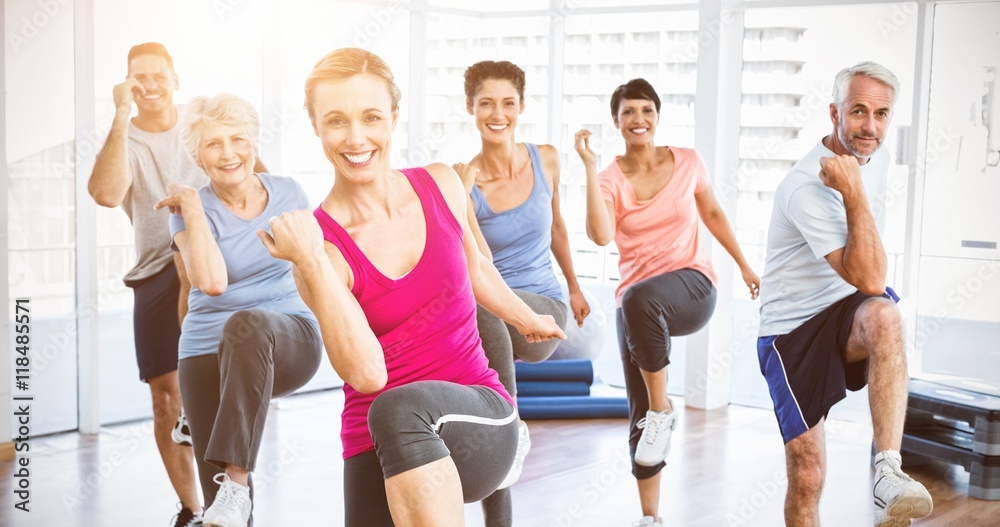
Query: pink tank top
x,y
425,320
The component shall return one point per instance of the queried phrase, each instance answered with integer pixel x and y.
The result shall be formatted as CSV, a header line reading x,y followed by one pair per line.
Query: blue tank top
x,y
521,238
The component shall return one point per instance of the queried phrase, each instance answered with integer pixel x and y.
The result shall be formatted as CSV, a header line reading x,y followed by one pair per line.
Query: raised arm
x,y
862,261
322,278
468,175
203,261
111,178
487,284
560,238
715,220
600,213
184,290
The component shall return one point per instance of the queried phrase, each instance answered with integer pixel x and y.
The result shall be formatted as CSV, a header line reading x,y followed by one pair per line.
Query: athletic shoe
x,y
654,445
646,521
232,505
186,518
523,446
884,520
181,434
896,494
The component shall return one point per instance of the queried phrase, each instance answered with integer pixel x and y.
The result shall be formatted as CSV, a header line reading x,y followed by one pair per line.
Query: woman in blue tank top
x,y
514,190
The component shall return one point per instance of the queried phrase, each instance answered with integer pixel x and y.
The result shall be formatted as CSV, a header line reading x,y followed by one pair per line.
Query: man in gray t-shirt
x,y
140,157
828,321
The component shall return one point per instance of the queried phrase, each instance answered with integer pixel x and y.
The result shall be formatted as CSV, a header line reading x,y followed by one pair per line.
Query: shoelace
x,y
658,422
229,493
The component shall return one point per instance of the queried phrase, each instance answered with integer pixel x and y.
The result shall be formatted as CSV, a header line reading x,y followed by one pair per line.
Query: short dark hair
x,y
480,72
633,89
151,48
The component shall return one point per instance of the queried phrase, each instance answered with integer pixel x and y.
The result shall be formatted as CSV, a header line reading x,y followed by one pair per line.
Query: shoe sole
x,y
894,522
911,506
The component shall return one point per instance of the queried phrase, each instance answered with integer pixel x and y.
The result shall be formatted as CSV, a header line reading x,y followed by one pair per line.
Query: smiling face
x,y
354,121
860,122
637,119
154,73
496,107
226,154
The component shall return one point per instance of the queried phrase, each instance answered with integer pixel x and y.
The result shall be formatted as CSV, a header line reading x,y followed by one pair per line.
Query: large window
x,y
41,202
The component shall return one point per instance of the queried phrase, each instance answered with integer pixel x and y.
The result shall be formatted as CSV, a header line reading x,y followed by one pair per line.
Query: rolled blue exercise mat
x,y
572,407
555,371
550,388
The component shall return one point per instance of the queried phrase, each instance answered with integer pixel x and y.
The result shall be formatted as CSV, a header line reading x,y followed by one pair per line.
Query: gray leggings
x,y
262,355
503,343
668,305
415,424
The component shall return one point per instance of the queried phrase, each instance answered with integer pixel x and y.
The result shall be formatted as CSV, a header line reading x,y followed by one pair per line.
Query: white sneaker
x,y
523,446
232,505
884,520
646,521
654,445
181,433
897,496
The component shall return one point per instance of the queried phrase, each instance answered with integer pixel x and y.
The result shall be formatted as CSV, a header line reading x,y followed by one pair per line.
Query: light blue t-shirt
x,y
521,238
808,222
256,279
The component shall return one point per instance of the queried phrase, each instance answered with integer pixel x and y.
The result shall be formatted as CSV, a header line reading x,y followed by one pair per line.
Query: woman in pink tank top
x,y
394,288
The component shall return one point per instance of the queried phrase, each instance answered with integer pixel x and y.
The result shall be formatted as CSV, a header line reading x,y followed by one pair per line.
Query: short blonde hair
x,y
224,109
345,63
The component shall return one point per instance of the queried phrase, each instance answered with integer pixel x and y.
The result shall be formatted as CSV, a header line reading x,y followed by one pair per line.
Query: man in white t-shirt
x,y
139,158
828,321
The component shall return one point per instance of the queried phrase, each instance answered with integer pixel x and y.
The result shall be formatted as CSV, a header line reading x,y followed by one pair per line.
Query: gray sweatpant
x,y
503,343
263,355
653,310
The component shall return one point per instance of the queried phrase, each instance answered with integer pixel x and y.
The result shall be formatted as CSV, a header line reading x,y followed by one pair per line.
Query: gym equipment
x,y
572,407
957,426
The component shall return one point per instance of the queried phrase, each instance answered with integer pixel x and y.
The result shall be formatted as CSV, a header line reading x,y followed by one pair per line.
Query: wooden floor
x,y
726,468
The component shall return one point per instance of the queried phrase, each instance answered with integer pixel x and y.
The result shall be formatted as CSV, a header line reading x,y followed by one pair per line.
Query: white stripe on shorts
x,y
473,419
789,385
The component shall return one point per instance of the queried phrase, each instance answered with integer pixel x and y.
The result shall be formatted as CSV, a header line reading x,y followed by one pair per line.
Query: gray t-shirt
x,y
156,159
808,222
256,279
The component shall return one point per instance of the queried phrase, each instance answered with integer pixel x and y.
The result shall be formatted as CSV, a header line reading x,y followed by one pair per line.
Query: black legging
x,y
668,305
479,432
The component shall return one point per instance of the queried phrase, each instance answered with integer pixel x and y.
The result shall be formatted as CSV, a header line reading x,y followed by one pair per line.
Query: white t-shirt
x,y
808,222
156,159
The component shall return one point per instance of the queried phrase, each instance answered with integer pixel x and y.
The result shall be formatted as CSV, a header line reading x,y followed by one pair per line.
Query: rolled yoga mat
x,y
550,388
571,407
555,371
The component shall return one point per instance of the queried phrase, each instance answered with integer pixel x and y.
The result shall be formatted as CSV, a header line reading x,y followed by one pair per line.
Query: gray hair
x,y
872,70
223,109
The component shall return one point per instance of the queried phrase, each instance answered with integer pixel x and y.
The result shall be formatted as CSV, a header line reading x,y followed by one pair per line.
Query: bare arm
x,y
600,213
862,261
321,276
560,239
715,220
488,286
112,177
184,291
468,175
203,261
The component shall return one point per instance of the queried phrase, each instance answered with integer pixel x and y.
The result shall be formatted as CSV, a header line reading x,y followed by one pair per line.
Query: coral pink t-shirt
x,y
661,234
